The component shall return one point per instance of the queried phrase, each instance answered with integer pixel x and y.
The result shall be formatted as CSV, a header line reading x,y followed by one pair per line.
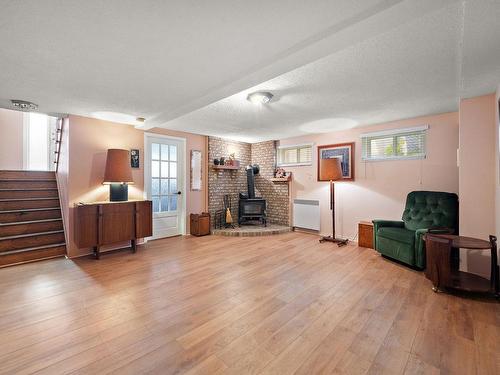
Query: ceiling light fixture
x,y
260,97
120,118
23,105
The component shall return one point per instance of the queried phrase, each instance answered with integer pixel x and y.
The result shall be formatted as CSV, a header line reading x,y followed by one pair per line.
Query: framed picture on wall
x,y
134,158
343,151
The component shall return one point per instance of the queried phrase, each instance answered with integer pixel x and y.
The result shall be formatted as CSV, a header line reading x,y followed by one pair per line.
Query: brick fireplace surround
x,y
232,182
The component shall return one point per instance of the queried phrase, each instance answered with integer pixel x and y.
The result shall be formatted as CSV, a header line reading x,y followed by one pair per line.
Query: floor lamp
x,y
331,170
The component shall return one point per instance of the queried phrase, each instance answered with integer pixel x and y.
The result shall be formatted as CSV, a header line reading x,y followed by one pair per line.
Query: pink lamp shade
x,y
118,169
330,169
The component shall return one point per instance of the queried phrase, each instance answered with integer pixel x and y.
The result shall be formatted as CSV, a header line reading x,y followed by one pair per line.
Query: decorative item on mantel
x,y
280,175
229,164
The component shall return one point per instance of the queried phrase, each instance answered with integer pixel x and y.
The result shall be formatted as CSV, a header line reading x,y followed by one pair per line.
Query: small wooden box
x,y
200,224
365,234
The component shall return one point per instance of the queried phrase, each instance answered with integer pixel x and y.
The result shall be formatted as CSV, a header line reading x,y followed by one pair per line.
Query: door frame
x,y
182,162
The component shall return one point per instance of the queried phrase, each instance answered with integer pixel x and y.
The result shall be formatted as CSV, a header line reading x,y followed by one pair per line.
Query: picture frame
x,y
196,170
344,151
135,158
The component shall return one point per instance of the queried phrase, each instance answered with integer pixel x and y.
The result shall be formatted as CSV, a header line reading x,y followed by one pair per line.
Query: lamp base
x,y
118,192
339,241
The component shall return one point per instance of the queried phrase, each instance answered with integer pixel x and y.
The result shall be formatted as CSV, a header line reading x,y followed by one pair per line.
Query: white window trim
x,y
284,147
395,132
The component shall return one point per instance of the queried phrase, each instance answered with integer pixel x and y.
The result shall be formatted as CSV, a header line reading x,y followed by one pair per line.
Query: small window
x,y
294,155
395,144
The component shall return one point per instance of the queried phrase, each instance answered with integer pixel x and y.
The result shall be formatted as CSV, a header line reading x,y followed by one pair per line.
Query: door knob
x,y
179,192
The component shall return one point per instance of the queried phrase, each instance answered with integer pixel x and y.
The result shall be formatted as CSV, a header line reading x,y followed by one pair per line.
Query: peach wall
x,y
11,139
497,153
88,141
380,188
477,179
62,177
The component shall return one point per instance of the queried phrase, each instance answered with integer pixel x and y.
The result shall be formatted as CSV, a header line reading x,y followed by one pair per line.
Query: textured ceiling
x,y
183,64
418,68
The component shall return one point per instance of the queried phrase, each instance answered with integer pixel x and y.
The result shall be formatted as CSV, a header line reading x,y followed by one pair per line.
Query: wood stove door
x,y
164,180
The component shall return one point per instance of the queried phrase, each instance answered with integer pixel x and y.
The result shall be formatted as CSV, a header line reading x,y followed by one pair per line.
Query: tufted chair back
x,y
426,209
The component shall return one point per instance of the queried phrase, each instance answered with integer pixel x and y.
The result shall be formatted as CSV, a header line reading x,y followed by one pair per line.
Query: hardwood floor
x,y
282,304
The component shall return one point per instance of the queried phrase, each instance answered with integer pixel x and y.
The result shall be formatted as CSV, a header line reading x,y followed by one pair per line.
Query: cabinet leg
x,y
97,253
134,245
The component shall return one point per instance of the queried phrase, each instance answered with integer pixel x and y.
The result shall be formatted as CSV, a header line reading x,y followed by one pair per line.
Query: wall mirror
x,y
196,170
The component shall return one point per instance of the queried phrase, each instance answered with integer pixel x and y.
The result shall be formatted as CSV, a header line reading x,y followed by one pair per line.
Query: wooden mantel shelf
x,y
282,179
226,167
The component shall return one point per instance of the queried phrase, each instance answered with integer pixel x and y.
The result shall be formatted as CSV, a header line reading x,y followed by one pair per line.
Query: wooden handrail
x,y
59,131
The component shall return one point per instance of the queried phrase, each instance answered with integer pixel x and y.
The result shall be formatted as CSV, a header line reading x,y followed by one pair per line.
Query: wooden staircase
x,y
31,226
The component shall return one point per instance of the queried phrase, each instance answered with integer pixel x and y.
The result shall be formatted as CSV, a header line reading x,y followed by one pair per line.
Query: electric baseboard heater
x,y
306,214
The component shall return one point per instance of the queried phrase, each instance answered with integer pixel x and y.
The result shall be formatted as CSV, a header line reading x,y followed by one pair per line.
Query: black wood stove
x,y
251,208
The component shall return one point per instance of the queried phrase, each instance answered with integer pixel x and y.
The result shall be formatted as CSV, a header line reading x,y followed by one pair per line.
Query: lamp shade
x,y
330,169
118,169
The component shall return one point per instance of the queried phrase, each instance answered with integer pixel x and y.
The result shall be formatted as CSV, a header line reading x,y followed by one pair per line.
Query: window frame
x,y
297,147
395,134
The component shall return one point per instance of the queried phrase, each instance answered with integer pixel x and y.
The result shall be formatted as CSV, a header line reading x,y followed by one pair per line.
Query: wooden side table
x,y
365,234
443,274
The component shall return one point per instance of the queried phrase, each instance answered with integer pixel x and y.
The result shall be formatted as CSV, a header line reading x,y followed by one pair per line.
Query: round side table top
x,y
464,242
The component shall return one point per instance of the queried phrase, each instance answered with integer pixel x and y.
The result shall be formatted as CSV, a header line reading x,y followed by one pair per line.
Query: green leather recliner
x,y
424,211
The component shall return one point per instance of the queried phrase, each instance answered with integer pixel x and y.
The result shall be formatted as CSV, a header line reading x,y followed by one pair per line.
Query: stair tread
x,y
30,222
27,179
31,209
30,189
32,249
28,199
31,235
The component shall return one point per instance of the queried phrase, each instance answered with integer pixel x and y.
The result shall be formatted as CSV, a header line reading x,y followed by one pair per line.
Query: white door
x,y
164,177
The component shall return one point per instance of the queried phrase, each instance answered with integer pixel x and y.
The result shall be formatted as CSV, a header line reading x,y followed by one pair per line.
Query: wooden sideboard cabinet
x,y
105,223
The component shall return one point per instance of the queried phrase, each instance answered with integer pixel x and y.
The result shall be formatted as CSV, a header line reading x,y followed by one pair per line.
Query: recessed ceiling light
x,y
23,105
328,125
121,118
260,97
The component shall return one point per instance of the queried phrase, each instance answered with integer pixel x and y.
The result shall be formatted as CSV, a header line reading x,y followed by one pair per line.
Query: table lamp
x,y
331,169
118,174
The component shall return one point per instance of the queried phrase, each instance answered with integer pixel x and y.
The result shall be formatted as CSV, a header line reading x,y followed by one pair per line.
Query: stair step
x,y
30,215
28,183
27,175
32,254
28,227
28,193
31,240
27,203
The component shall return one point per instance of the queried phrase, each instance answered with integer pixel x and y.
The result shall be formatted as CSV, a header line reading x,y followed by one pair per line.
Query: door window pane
x,y
173,186
164,152
173,202
156,204
173,170
164,204
164,186
155,169
164,169
155,186
173,153
155,151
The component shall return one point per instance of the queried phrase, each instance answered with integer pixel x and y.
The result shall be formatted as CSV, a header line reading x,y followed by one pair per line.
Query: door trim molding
x,y
146,166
